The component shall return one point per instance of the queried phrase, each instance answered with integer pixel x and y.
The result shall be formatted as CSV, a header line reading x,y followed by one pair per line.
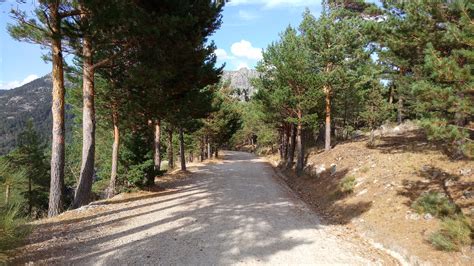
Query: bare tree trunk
x,y
115,155
83,191
170,150
390,94
30,199
292,145
400,111
57,145
285,142
216,153
209,153
202,149
327,136
181,149
299,145
157,145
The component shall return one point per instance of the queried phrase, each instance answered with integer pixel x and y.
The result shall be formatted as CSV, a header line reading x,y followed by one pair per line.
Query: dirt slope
x,y
230,212
389,177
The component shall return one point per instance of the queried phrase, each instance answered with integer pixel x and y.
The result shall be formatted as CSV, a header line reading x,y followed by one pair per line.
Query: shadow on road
x,y
224,214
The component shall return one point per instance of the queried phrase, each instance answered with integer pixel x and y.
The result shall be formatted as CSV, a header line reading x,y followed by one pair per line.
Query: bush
x,y
13,230
347,184
140,175
435,204
454,233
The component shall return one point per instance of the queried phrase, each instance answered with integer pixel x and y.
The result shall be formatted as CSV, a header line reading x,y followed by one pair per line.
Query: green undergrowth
x,y
455,230
347,184
13,231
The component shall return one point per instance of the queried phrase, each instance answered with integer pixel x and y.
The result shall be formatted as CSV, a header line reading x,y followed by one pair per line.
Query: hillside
x,y
30,101
387,179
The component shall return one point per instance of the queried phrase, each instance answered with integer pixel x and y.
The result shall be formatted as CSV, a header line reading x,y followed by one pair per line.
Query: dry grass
x,y
389,178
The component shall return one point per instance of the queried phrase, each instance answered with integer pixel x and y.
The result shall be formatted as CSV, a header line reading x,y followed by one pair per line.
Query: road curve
x,y
234,211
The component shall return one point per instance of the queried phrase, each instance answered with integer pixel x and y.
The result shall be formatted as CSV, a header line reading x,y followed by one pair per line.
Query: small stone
x,y
468,194
465,172
428,216
319,169
362,192
413,216
333,169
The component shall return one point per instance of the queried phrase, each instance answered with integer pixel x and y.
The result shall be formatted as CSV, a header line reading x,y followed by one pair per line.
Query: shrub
x,y
454,233
13,230
435,204
347,184
140,174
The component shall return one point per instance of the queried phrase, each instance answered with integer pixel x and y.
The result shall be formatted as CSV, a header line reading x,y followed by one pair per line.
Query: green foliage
x,y
13,230
428,51
454,234
139,174
436,204
347,184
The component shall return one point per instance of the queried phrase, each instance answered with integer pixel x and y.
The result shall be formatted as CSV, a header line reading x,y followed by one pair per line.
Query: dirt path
x,y
231,212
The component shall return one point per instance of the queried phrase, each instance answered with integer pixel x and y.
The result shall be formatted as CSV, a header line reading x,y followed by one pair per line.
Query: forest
x,y
146,93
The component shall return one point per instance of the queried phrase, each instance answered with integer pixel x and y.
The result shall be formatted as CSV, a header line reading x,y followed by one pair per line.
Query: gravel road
x,y
234,211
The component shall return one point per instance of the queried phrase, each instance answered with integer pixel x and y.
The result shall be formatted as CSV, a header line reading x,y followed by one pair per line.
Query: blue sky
x,y
248,27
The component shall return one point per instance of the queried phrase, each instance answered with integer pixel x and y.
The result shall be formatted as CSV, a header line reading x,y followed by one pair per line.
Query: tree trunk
x,y
285,142
115,155
209,153
84,187
216,153
327,136
291,147
7,194
202,149
181,149
30,198
57,110
390,94
170,150
400,111
157,145
299,145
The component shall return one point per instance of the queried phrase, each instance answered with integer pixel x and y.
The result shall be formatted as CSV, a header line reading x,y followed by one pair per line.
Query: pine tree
x,y
444,92
46,30
29,159
337,44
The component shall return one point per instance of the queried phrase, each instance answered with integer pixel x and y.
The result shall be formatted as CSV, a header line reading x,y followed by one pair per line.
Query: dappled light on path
x,y
233,211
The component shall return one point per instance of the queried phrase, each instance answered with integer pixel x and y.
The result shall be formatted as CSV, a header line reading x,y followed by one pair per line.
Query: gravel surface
x,y
230,212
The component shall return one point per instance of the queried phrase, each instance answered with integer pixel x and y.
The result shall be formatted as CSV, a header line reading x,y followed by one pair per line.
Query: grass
x,y
13,231
435,204
454,233
364,169
455,230
347,184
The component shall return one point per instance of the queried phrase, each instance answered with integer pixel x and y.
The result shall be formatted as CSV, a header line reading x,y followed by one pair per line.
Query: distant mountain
x,y
33,101
18,105
240,81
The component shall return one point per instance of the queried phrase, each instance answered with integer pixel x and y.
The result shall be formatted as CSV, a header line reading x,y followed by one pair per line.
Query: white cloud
x,y
246,15
222,54
16,83
275,3
245,49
